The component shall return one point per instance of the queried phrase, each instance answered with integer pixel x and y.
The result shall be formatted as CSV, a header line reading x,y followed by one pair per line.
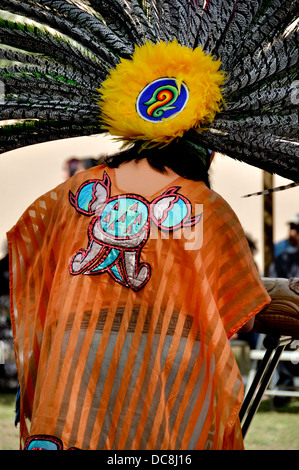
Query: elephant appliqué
x,y
121,227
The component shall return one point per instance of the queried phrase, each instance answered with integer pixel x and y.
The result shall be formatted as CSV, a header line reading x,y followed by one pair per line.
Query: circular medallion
x,y
161,99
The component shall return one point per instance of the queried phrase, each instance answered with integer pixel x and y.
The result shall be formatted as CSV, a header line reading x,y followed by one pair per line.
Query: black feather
x,y
56,54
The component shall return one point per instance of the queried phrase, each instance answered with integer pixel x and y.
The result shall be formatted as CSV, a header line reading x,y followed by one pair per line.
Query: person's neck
x,y
140,177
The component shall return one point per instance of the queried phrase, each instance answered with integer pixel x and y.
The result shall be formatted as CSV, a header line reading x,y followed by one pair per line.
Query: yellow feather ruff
x,y
190,74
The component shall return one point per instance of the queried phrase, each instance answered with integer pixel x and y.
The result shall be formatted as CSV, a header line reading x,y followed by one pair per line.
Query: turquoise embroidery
x,y
124,217
44,442
109,261
121,227
41,444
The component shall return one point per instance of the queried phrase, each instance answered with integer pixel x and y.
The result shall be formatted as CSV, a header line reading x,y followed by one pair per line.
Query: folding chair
x,y
279,322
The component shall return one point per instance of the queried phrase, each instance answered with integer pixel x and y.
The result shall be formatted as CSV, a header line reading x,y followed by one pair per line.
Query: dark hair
x,y
184,159
89,162
294,226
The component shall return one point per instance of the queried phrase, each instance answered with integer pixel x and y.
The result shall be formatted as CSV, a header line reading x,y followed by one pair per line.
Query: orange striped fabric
x,y
121,331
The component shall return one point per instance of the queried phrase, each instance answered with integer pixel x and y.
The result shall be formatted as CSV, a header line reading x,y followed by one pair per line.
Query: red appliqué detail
x,y
105,184
119,253
134,207
39,438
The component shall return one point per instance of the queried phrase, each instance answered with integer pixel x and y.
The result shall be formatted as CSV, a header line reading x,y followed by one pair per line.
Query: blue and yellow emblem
x,y
162,91
162,99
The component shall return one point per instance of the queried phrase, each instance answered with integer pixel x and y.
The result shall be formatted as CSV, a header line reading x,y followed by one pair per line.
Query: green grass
x,y
271,429
274,429
9,434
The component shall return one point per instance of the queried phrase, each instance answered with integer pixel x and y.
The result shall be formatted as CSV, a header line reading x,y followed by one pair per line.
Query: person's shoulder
x,y
280,247
218,204
216,210
200,191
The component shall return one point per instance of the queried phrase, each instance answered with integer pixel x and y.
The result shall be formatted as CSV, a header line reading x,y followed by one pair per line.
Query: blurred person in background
x,y
291,243
74,165
286,265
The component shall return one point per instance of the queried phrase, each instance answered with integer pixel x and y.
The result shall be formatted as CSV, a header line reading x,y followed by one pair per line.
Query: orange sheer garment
x,y
122,305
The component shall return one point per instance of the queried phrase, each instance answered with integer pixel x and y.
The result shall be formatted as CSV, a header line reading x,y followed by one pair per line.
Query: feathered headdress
x,y
225,69
162,92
